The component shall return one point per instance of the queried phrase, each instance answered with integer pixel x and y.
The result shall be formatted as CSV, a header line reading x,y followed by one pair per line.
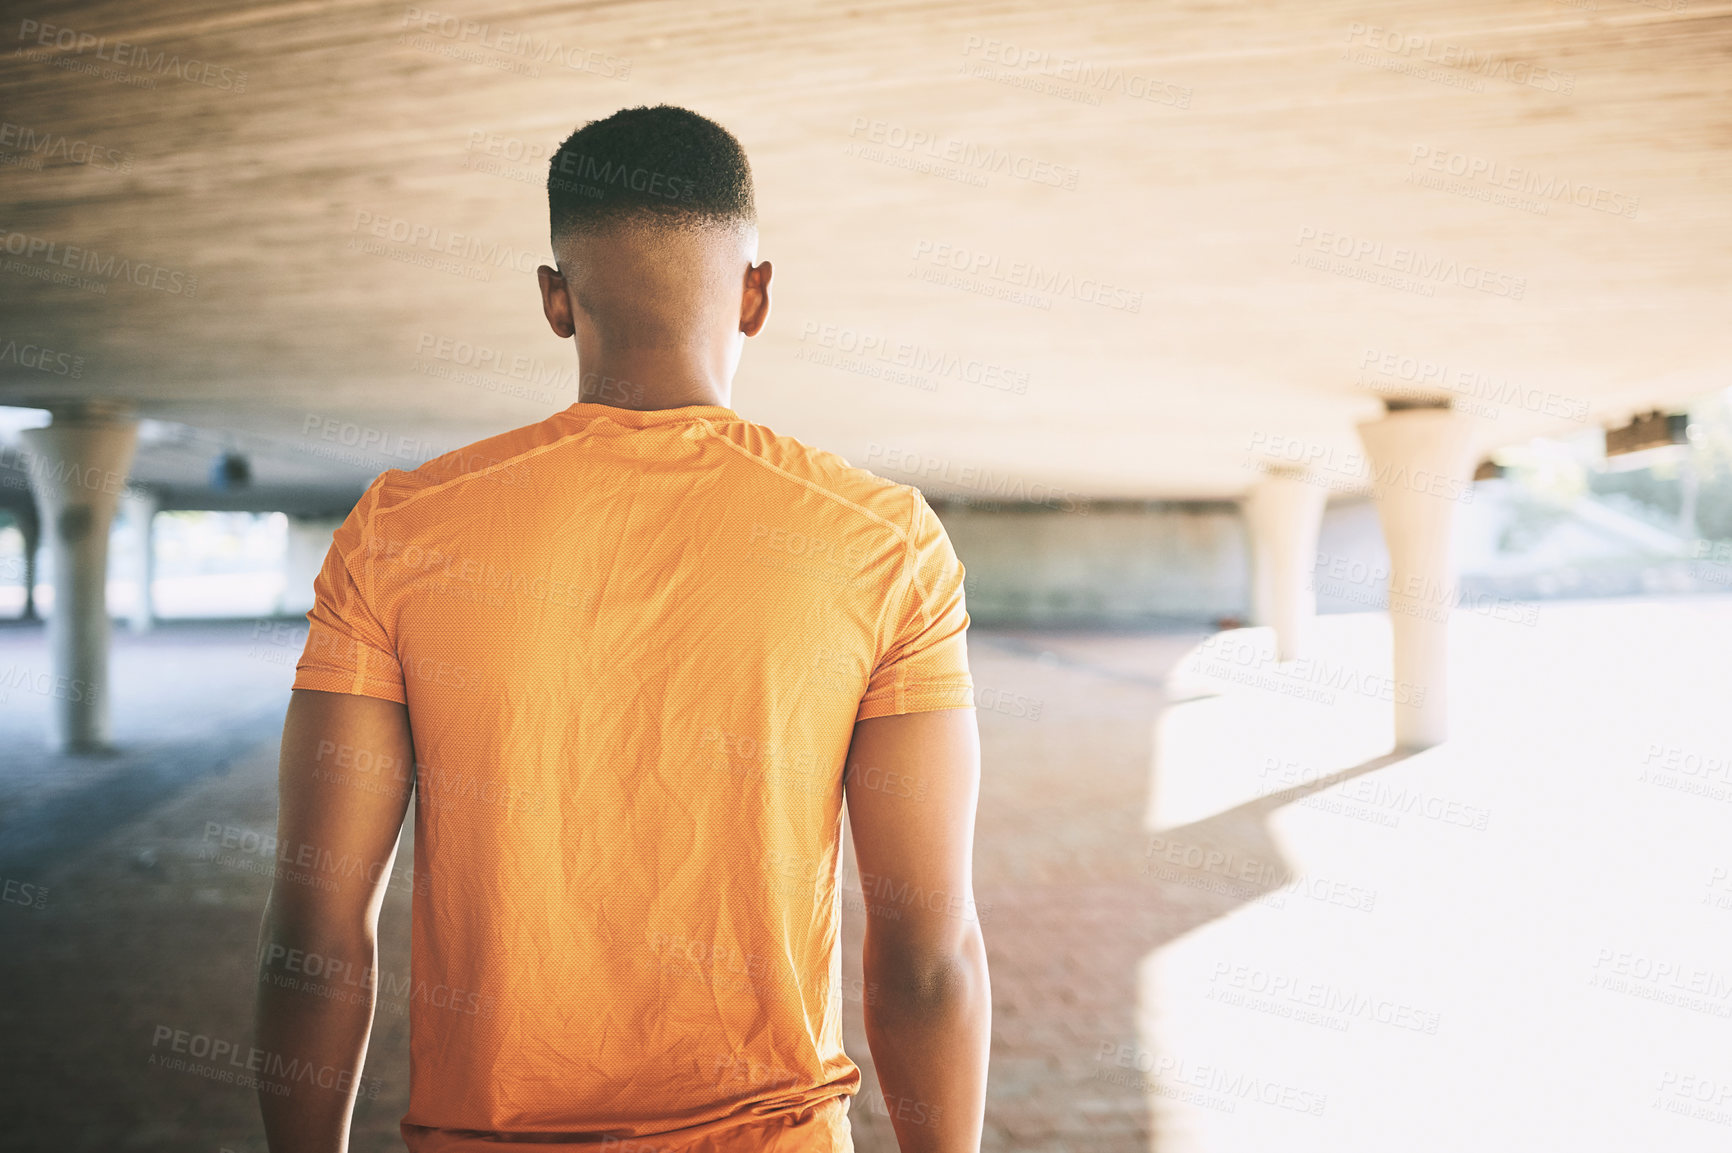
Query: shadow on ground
x,y
151,882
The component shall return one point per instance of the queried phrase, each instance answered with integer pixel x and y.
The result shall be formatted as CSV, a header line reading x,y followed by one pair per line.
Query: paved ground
x,y
149,922
1160,838
1516,940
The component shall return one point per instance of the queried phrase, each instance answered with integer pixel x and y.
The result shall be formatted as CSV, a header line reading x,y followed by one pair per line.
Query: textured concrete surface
x,y
1021,251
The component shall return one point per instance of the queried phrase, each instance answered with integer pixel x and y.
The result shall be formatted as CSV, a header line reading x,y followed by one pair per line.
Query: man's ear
x,y
555,302
755,299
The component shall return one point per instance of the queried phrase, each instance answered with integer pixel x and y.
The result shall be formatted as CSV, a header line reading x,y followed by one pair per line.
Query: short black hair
x,y
661,165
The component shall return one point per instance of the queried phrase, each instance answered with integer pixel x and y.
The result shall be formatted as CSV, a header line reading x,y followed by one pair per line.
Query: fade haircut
x,y
661,166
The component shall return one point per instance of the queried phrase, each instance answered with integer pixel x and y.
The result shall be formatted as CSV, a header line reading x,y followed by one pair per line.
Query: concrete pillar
x,y
1690,487
32,544
1283,513
309,539
1422,468
30,527
139,507
78,467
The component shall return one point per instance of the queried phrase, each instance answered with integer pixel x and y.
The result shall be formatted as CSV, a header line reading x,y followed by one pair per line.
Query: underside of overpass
x,y
1145,293
1125,249
1030,256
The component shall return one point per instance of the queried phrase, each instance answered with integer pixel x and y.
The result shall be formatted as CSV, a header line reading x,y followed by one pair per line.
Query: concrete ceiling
x,y
1202,159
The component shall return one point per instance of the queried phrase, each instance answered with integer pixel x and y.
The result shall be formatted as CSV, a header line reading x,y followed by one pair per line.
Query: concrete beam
x,y
313,503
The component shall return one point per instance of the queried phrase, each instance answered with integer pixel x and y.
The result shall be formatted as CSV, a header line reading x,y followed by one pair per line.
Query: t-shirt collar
x,y
645,417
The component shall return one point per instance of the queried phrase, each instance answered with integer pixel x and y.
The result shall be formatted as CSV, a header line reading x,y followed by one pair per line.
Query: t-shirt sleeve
x,y
348,650
924,665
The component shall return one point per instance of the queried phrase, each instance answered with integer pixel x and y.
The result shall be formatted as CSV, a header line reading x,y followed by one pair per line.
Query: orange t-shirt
x,y
633,646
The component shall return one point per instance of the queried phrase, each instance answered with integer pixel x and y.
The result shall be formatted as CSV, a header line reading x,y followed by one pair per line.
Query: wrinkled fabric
x,y
633,646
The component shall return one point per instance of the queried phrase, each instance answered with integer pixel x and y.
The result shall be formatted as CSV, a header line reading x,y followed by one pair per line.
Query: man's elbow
x,y
921,976
296,930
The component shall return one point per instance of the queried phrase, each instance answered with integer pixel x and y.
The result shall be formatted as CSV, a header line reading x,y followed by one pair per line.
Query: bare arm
x,y
912,784
344,783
